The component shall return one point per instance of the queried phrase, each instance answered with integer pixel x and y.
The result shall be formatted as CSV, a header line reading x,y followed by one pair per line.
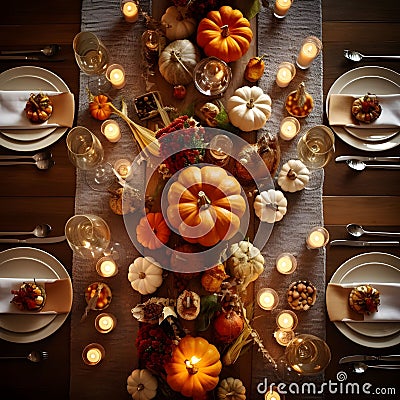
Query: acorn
x,y
254,69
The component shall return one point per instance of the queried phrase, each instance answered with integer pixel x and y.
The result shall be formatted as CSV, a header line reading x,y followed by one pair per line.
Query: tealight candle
x,y
105,323
123,167
286,72
93,353
281,8
317,237
286,263
106,267
110,129
130,11
309,50
289,128
116,75
272,395
283,337
287,320
267,299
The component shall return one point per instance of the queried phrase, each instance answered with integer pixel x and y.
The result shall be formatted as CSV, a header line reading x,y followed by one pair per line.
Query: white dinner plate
x,y
31,78
359,81
25,262
371,267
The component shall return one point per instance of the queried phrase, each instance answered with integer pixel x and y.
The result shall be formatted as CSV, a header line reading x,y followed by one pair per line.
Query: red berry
x,y
179,92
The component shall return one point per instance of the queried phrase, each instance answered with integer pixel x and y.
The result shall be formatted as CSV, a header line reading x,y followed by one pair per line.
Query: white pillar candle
x,y
105,323
286,263
93,353
130,11
106,267
289,128
287,320
116,75
309,50
317,237
282,7
267,299
110,129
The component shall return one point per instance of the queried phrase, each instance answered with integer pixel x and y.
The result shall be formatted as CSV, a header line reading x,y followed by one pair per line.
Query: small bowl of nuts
x,y
301,295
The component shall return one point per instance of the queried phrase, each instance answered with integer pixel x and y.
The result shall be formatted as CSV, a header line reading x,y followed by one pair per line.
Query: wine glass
x,y
315,149
305,355
86,152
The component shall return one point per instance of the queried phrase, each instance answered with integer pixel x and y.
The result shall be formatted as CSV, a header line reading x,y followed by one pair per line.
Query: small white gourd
x,y
177,24
293,176
145,275
270,205
231,389
142,385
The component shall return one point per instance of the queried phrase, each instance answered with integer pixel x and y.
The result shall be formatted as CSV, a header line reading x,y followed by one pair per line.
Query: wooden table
x,y
30,196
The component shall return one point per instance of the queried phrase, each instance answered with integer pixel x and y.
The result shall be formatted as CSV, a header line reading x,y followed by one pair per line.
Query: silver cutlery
x,y
357,56
42,155
34,356
41,164
356,358
364,243
40,231
366,159
29,58
361,165
357,231
54,239
49,50
360,368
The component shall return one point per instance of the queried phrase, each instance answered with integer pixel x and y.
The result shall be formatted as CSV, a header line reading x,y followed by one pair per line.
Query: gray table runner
x,y
280,41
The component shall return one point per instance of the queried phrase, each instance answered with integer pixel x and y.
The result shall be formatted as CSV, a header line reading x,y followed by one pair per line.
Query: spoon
x,y
356,56
361,165
42,155
49,50
360,368
41,230
34,356
357,231
41,164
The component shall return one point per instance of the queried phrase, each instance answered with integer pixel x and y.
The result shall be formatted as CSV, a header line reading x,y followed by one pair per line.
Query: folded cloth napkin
x,y
58,295
340,111
12,106
337,303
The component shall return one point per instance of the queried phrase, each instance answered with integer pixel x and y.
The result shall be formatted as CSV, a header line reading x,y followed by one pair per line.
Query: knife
x,y
361,158
29,58
358,358
364,243
54,239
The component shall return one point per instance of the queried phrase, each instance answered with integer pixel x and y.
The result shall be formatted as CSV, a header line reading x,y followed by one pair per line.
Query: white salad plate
x,y
360,81
27,262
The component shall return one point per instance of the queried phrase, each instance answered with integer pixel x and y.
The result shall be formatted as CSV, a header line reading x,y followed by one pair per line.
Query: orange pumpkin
x,y
194,367
205,205
99,107
152,231
225,34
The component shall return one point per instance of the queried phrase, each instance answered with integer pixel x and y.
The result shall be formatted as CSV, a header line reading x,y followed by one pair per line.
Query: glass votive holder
x,y
285,74
93,353
220,148
286,263
287,320
309,50
289,128
317,237
105,322
267,299
115,73
106,267
281,8
123,167
283,337
130,10
110,129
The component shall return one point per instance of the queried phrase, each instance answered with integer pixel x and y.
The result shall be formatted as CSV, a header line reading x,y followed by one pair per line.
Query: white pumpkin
x,y
177,61
145,275
177,24
231,389
293,176
270,205
142,385
249,108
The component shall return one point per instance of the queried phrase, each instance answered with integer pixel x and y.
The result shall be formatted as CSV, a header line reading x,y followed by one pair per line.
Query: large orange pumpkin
x,y
99,107
205,204
225,34
194,367
152,231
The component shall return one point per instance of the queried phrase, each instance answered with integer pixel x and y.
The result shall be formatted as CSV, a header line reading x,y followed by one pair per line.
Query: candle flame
x,y
194,360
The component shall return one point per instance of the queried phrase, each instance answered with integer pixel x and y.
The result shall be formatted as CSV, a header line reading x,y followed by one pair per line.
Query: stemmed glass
x,y
315,149
86,152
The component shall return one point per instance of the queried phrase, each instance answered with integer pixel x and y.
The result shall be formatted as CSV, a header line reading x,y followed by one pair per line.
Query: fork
x,y
34,356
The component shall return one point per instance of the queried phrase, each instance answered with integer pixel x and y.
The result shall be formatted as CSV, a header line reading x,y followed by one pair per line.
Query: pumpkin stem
x,y
203,200
192,369
301,95
142,275
225,31
176,56
140,387
291,174
250,104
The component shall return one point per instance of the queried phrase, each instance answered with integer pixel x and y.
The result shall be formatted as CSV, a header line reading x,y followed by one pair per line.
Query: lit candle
x,y
283,337
317,237
286,72
116,75
272,395
286,263
130,11
289,128
287,320
191,364
110,129
105,323
282,7
123,167
267,299
106,267
309,50
220,149
93,353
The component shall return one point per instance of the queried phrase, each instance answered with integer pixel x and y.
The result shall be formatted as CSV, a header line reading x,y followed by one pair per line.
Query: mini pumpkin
x,y
38,108
212,279
225,33
145,275
254,69
227,326
299,103
270,205
231,389
293,176
194,367
366,108
249,108
142,385
152,231
99,107
178,25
